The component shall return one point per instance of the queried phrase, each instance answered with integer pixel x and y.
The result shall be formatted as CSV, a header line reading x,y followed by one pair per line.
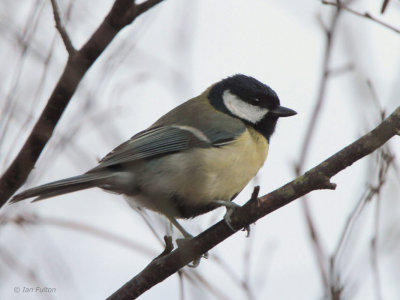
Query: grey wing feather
x,y
152,142
163,140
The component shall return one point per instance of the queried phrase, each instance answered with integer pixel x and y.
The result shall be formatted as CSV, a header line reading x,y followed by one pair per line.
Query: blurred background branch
x,y
122,13
320,252
365,15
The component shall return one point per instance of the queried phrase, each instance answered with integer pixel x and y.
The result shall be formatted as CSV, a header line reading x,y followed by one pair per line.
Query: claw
x,y
247,229
195,263
227,217
230,208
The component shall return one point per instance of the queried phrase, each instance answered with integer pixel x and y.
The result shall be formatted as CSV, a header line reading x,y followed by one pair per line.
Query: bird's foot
x,y
230,208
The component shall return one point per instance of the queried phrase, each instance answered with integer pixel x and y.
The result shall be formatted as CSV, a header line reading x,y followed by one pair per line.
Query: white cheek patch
x,y
242,109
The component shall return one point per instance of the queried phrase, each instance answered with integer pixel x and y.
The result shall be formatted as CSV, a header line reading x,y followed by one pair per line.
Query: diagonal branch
x,y
365,15
61,29
316,178
121,14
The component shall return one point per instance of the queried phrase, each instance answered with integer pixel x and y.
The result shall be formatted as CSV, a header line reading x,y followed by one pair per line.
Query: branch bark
x,y
316,178
121,14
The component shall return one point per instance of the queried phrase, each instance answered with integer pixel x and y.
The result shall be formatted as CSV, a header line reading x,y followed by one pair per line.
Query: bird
x,y
195,158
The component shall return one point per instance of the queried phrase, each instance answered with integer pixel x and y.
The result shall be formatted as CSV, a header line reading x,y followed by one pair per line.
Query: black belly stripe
x,y
177,207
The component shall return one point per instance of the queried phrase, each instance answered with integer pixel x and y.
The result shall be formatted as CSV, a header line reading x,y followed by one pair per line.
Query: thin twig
x,y
365,15
316,242
39,89
349,225
246,281
375,98
61,29
79,227
341,70
181,285
143,7
368,195
13,262
215,288
329,33
33,103
386,160
243,283
25,39
315,239
374,251
384,6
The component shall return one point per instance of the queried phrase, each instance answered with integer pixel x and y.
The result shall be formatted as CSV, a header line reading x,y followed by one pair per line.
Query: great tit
x,y
197,157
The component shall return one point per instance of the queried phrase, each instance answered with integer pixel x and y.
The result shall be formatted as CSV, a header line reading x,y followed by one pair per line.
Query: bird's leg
x,y
187,236
168,237
178,226
230,207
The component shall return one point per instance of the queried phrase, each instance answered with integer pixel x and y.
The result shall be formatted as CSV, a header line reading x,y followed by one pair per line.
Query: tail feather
x,y
61,187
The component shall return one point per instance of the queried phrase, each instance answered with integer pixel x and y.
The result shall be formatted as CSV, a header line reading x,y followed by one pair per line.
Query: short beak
x,y
282,111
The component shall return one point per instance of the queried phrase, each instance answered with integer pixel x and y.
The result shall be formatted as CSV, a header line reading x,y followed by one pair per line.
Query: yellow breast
x,y
226,170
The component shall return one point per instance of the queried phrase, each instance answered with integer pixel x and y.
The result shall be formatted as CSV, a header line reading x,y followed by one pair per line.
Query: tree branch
x,y
121,14
360,14
316,178
61,29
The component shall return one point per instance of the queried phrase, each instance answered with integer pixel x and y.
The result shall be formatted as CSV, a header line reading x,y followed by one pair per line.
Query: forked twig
x,y
61,29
